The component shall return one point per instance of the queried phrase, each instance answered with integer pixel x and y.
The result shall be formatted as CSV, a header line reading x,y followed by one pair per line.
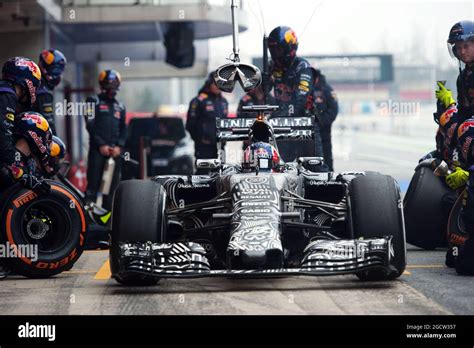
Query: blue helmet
x,y
52,64
110,79
460,32
23,72
34,128
57,154
282,43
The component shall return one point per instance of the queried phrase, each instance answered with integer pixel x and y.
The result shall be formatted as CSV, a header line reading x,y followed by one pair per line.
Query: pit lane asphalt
x,y
427,286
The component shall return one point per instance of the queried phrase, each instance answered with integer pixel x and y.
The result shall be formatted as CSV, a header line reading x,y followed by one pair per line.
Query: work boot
x,y
465,260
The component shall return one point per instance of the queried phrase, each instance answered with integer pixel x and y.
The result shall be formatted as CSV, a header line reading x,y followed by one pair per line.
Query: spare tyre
x,y
425,220
47,231
457,233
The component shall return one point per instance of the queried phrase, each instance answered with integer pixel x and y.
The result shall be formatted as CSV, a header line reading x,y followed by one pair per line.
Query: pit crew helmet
x,y
57,153
460,32
283,44
25,73
36,131
52,64
110,80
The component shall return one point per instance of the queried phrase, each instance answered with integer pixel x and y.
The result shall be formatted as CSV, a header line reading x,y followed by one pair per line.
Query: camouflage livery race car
x,y
235,222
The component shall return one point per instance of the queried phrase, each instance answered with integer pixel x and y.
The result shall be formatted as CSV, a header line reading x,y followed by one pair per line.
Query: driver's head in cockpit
x,y
261,156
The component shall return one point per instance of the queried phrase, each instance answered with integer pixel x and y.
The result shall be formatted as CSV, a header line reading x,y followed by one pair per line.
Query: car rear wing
x,y
291,128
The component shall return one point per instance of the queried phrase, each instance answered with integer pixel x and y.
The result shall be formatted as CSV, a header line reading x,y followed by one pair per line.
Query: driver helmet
x,y
263,156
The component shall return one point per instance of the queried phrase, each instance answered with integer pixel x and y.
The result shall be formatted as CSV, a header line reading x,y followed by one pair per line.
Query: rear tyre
x,y
375,206
138,215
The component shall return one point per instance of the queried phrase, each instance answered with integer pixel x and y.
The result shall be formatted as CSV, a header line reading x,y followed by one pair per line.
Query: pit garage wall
x,y
28,44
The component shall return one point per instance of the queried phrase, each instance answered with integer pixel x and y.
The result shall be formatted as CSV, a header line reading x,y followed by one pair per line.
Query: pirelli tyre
x,y
138,215
375,211
425,221
46,230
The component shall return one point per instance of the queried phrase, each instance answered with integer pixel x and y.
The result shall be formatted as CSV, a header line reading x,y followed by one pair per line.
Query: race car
x,y
250,222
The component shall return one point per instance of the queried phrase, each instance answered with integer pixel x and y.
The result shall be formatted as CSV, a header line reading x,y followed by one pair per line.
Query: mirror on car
x,y
212,163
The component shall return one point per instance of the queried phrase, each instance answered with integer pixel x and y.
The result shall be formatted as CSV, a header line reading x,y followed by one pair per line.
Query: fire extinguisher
x,y
78,176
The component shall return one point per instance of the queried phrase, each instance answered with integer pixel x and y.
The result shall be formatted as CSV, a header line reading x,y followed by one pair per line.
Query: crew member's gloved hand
x,y
457,179
444,95
105,150
35,184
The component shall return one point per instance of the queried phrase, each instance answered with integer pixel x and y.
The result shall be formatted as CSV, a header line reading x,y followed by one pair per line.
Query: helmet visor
x,y
452,50
56,70
463,37
277,52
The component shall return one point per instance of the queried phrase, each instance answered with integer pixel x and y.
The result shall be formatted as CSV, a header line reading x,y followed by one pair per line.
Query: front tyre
x,y
138,215
376,211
